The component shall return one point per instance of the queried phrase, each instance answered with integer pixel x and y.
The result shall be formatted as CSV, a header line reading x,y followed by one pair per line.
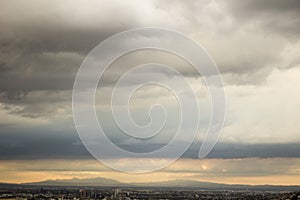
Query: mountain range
x,y
100,181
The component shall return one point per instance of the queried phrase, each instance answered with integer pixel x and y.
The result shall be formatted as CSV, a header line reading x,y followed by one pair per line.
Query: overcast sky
x,y
254,43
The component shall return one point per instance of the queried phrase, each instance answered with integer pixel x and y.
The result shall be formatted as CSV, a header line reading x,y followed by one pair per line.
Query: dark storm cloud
x,y
233,150
274,29
279,17
37,27
34,104
227,150
45,65
67,145
271,6
42,46
46,145
246,39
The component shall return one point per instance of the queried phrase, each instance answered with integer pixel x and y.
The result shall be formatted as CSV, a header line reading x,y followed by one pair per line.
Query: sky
x,y
255,44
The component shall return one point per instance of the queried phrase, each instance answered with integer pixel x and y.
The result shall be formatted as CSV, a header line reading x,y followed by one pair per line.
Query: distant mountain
x,y
181,183
99,181
217,186
6,185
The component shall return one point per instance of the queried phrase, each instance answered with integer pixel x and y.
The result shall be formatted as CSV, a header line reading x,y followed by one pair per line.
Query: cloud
x,y
50,132
42,50
58,142
254,43
245,38
264,113
275,16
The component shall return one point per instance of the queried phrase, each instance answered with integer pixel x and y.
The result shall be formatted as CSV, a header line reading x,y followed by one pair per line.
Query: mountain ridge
x,y
101,181
97,181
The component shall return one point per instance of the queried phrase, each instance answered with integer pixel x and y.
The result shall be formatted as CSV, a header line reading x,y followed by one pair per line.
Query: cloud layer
x,y
255,44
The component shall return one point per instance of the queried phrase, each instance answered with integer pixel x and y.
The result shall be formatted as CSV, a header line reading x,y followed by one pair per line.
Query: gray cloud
x,y
271,18
245,38
43,50
46,145
55,142
42,44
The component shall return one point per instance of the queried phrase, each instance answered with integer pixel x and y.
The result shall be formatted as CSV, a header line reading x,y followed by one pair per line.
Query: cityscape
x,y
108,189
107,193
